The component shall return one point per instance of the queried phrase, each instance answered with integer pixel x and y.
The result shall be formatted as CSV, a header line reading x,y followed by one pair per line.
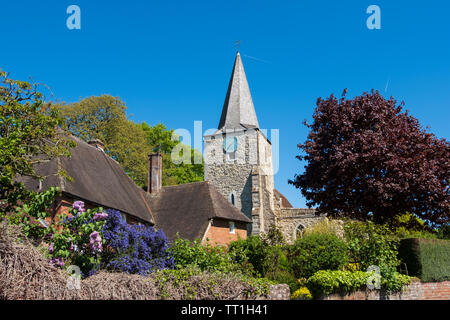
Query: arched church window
x,y
232,198
298,233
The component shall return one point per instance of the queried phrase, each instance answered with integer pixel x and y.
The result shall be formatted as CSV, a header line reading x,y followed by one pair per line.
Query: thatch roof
x,y
187,208
97,178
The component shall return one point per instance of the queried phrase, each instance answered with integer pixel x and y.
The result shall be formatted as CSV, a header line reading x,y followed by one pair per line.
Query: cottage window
x,y
231,225
124,217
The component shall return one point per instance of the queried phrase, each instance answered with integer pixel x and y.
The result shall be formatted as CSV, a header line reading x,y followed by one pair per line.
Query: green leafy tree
x,y
29,136
164,140
104,117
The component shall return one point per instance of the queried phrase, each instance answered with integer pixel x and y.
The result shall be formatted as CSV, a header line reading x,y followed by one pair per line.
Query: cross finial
x,y
238,42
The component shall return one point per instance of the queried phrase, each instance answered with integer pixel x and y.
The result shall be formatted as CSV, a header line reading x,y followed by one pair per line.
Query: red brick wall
x,y
436,290
219,232
415,291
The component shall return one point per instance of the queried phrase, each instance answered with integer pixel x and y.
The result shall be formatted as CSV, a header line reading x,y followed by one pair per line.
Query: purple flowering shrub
x,y
134,248
78,240
94,239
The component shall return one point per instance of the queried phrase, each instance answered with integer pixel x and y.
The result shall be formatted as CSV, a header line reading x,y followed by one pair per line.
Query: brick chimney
x,y
97,143
154,172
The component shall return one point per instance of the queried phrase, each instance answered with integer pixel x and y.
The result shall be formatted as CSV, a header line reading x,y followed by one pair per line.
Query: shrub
x,y
274,237
327,282
31,212
135,249
78,239
93,240
408,225
428,260
253,251
283,276
203,256
301,294
317,252
326,226
370,244
444,232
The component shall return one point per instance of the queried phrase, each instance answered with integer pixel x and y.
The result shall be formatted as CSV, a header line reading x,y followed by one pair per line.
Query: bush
x,y
135,249
426,259
370,244
203,256
253,251
317,252
94,240
444,232
301,294
326,226
283,276
78,239
327,282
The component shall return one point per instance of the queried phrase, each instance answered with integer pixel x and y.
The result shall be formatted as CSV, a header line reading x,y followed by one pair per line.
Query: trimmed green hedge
x,y
325,282
427,259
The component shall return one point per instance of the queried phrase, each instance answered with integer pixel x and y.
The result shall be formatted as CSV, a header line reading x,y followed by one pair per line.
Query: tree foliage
x,y
29,135
162,139
104,117
368,159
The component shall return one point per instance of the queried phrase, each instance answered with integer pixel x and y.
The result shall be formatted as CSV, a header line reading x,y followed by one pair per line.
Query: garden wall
x,y
415,291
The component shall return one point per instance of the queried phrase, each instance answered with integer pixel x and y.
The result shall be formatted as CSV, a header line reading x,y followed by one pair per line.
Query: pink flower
x,y
100,216
50,248
79,206
95,242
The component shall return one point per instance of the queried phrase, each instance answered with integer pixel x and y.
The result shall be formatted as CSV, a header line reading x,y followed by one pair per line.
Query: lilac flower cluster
x,y
100,216
95,242
137,248
57,262
79,206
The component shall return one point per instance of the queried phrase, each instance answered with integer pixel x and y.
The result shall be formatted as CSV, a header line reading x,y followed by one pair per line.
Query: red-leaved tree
x,y
367,159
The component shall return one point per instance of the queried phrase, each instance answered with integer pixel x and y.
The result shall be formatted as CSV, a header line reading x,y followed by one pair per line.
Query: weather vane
x,y
237,44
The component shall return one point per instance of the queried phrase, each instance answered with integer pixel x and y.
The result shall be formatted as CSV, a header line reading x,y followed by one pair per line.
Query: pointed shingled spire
x,y
238,111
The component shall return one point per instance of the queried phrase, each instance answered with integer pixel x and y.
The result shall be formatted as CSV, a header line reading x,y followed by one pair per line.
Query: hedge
x,y
427,259
326,282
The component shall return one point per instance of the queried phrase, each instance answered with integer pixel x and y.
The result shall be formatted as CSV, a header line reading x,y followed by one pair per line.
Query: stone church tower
x,y
238,162
238,156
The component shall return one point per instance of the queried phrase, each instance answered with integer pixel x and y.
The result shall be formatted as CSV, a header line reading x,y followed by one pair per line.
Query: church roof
x,y
97,178
187,208
238,111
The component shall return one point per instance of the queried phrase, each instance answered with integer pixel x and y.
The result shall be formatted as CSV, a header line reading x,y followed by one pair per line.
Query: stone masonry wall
x,y
288,219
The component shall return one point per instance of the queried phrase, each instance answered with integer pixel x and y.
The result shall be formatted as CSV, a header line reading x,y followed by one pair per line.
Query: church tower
x,y
238,156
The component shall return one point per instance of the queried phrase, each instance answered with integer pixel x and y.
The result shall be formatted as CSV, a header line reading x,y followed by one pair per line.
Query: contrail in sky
x,y
387,84
255,58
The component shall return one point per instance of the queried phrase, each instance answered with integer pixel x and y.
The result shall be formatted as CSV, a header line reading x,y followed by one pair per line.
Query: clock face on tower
x,y
230,144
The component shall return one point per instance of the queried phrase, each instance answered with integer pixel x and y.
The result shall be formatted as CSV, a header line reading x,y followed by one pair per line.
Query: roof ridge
x,y
187,183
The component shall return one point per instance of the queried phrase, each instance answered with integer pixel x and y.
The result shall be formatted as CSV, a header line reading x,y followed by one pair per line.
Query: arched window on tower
x,y
298,233
233,198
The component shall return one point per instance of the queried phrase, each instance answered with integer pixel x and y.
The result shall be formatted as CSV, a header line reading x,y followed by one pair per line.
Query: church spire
x,y
238,111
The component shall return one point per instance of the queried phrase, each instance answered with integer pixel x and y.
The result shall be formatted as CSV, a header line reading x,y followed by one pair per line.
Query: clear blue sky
x,y
170,61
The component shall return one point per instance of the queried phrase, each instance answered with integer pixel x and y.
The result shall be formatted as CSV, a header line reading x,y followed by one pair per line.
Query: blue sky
x,y
170,61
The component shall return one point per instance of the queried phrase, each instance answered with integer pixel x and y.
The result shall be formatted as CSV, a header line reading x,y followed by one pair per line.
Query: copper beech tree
x,y
367,159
